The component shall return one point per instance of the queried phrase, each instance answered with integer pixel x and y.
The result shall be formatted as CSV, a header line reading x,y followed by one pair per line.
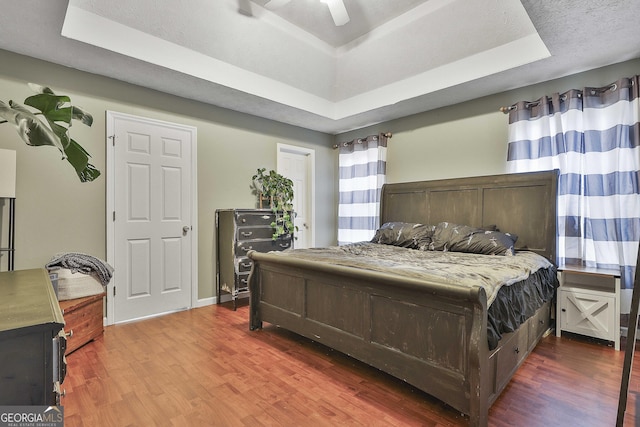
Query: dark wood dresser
x,y
237,232
32,339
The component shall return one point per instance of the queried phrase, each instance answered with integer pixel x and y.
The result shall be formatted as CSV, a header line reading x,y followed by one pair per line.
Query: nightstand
x,y
589,303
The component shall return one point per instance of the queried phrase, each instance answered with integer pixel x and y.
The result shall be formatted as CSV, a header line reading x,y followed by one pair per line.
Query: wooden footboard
x,y
430,335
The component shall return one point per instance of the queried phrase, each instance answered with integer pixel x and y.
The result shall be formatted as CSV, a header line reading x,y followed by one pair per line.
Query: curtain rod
x,y
385,134
594,91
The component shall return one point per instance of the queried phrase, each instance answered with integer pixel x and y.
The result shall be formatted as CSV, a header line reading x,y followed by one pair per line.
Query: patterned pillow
x,y
463,238
404,234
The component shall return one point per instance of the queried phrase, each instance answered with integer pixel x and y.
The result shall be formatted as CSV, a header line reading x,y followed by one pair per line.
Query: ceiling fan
x,y
336,7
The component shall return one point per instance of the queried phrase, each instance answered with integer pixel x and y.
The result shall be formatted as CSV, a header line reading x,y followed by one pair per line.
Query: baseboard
x,y
206,301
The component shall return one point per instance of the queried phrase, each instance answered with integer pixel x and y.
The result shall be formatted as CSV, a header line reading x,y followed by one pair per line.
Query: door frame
x,y
311,181
111,116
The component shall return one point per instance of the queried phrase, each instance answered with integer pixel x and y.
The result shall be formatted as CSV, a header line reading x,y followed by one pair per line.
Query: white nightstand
x,y
589,302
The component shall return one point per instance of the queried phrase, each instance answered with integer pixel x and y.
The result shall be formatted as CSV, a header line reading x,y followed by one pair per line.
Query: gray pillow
x,y
464,238
404,234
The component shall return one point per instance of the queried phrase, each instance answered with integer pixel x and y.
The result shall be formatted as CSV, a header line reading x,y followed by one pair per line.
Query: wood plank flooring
x,y
203,367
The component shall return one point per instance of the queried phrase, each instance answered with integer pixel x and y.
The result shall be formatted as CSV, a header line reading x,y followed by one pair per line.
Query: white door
x,y
152,202
297,164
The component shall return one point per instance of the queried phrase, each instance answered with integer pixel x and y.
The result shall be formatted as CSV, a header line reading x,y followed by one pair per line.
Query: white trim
x,y
204,302
110,208
311,177
110,204
90,28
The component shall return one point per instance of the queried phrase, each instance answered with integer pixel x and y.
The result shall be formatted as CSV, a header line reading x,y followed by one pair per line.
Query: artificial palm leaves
x,y
51,126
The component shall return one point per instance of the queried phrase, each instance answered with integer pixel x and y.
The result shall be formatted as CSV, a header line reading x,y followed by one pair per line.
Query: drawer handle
x,y
564,310
247,249
244,220
517,350
244,281
284,245
247,233
246,264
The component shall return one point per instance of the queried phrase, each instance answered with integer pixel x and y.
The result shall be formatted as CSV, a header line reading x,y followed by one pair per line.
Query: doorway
x,y
298,164
151,217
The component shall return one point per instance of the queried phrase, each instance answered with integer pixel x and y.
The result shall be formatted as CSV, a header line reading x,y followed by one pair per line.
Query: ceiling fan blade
x,y
244,7
275,4
338,11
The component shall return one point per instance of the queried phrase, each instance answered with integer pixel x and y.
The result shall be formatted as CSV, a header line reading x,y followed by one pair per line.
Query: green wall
x,y
56,213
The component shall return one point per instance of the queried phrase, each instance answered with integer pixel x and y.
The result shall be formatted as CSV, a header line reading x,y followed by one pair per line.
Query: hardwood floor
x,y
203,367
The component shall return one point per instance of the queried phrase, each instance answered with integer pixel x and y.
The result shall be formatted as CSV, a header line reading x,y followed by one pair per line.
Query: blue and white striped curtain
x,y
593,137
362,164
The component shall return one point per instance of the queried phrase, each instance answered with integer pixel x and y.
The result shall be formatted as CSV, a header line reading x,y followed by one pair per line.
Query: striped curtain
x,y
593,137
362,164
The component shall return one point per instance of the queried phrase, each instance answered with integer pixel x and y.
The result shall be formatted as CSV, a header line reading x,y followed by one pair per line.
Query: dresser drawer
x,y
250,233
243,264
265,245
254,218
242,282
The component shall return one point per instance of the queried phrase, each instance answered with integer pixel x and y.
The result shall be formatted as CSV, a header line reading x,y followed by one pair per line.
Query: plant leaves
x,y
40,89
54,128
79,159
32,130
51,106
78,113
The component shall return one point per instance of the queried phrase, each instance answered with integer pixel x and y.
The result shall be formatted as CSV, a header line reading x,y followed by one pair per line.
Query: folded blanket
x,y
83,263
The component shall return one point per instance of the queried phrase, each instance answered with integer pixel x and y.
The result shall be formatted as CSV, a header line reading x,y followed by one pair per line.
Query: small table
x,y
589,302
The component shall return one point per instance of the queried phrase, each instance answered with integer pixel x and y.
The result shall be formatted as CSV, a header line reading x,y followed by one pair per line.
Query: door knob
x,y
185,230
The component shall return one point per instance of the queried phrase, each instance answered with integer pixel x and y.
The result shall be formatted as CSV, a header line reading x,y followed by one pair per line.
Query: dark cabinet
x,y
32,339
239,231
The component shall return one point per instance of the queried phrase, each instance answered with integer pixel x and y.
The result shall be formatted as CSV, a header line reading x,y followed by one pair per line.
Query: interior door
x,y
296,163
153,191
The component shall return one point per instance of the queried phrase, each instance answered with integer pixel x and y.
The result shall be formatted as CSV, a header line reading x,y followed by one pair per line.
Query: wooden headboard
x,y
523,204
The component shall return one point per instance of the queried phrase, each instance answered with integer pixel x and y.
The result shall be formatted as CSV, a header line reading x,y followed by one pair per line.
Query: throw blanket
x,y
455,268
83,263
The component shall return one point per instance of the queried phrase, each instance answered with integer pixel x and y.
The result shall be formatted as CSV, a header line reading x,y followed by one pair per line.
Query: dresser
x,y
32,339
239,231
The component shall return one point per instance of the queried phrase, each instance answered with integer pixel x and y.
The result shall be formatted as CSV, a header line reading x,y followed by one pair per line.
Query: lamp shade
x,y
7,173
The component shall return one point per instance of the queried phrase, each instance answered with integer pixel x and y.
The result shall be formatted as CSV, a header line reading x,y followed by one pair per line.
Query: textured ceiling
x,y
394,58
314,17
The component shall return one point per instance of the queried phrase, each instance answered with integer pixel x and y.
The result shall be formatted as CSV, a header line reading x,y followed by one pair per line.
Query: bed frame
x,y
431,335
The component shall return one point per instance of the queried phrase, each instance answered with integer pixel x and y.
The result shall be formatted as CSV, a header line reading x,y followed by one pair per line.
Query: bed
x,y
433,334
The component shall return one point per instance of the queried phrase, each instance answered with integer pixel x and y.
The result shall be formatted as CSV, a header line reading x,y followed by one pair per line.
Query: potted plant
x,y
277,191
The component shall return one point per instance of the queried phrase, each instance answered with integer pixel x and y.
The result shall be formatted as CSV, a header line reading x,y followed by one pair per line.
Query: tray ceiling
x,y
394,58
